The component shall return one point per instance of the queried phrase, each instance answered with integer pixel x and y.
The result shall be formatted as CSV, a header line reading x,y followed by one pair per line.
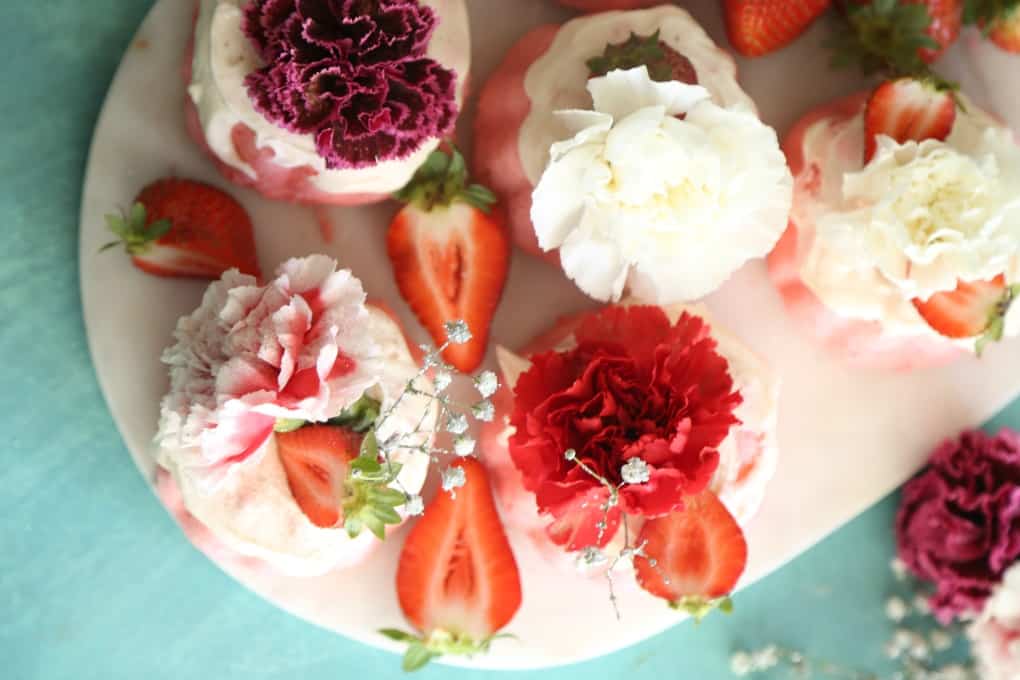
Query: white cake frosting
x,y
661,188
911,223
224,56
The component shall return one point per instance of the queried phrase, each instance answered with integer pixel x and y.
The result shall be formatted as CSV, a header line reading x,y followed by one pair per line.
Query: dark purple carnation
x,y
959,522
353,73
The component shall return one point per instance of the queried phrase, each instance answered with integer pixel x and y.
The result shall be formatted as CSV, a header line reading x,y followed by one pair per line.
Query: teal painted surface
x,y
95,579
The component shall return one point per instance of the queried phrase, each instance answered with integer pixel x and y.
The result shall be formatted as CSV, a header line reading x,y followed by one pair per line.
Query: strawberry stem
x,y
423,649
635,51
441,181
131,230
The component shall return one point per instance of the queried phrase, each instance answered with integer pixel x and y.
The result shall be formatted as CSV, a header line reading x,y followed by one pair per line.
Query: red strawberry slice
x,y
907,109
699,552
183,228
457,579
976,309
450,253
758,27
316,460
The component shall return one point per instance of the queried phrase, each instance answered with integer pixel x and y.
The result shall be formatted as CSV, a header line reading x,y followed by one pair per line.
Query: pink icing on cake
x,y
862,343
503,105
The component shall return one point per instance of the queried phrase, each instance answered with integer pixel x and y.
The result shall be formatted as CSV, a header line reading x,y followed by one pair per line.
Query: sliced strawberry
x,y
907,109
316,460
450,253
699,553
183,228
976,309
758,27
457,579
1005,30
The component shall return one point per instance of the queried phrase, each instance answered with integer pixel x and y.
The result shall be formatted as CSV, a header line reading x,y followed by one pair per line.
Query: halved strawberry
x,y
183,228
457,579
976,309
758,27
316,460
450,253
907,109
699,554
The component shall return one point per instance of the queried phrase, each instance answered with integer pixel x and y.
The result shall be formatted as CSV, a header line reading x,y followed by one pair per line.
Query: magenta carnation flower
x,y
959,522
353,73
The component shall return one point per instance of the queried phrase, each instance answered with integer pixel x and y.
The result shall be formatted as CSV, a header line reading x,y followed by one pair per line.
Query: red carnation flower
x,y
634,386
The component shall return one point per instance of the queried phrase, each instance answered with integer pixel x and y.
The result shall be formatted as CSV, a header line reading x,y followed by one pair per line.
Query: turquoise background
x,y
95,579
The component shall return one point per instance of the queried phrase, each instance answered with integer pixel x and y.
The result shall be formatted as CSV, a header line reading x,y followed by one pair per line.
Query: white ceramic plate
x,y
847,437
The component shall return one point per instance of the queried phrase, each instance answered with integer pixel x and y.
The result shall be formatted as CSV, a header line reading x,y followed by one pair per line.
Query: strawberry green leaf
x,y
284,425
699,607
359,416
417,657
442,181
389,496
369,447
158,230
398,635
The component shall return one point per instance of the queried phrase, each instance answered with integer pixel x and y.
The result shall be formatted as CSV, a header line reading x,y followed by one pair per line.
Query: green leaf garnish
x,y
132,231
369,500
422,649
359,416
285,425
885,38
996,328
699,607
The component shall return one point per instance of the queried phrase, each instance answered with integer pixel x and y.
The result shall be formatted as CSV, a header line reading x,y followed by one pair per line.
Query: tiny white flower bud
x,y
458,332
443,380
457,423
635,471
453,478
464,446
896,609
486,383
940,640
741,664
414,506
484,411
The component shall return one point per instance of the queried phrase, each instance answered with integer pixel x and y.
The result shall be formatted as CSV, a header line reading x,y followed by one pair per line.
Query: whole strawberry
x,y
758,27
182,228
999,19
897,37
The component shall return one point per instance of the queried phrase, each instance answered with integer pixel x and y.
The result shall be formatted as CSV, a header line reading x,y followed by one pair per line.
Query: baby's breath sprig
x,y
634,471
918,645
372,491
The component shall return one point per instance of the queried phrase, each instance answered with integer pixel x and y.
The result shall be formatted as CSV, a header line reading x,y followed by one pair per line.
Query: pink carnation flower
x,y
995,636
250,354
